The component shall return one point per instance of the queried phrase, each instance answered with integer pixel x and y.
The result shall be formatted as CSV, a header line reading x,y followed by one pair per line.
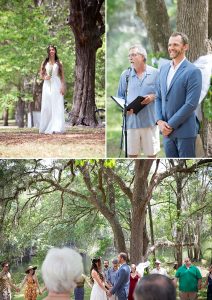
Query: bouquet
x,y
50,74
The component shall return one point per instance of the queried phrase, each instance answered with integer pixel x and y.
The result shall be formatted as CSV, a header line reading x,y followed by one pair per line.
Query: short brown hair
x,y
123,255
4,263
183,37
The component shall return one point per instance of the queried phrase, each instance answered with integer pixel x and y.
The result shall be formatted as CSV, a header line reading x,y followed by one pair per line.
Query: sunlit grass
x,y
80,142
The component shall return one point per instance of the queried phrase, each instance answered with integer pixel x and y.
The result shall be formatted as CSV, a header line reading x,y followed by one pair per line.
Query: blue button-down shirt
x,y
139,87
112,276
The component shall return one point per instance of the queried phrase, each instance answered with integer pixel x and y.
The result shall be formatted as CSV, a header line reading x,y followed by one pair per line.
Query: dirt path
x,y
77,142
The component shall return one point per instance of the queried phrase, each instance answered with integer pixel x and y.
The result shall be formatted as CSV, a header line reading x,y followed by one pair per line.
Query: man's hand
x,y
199,284
148,99
130,112
109,294
164,128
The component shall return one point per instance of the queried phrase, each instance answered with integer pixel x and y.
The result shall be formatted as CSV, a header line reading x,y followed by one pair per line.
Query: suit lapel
x,y
176,75
165,77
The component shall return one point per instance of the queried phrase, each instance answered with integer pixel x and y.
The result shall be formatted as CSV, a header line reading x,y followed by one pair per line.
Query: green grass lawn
x,y
114,129
202,295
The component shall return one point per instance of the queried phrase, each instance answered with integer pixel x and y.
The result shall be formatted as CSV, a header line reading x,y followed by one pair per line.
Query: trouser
x,y
177,147
122,297
209,295
188,296
5,295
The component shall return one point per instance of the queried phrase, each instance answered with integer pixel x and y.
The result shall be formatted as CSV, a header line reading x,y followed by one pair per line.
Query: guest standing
x,y
134,278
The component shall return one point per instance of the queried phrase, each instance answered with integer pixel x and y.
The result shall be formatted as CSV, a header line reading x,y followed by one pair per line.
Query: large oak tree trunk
x,y
155,17
192,19
87,25
140,199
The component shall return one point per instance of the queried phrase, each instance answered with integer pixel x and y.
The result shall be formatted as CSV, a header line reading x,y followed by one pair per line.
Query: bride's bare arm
x,y
95,276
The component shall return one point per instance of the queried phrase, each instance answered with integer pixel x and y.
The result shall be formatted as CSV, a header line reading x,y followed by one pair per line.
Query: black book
x,y
136,104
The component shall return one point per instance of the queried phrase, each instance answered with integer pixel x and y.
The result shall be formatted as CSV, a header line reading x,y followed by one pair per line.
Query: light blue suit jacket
x,y
177,105
121,287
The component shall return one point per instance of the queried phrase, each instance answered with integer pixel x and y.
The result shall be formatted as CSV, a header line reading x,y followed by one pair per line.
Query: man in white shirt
x,y
179,88
158,269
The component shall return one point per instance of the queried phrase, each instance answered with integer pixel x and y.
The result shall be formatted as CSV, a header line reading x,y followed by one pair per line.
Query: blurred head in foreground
x,y
60,269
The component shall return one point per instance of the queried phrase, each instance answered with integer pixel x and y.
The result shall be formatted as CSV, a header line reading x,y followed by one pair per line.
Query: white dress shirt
x,y
172,72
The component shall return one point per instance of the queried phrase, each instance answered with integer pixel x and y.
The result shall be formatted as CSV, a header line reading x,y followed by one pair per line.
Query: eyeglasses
x,y
133,55
6,266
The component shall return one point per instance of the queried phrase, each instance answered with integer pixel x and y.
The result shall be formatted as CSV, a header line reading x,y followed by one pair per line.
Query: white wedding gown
x,y
97,293
52,106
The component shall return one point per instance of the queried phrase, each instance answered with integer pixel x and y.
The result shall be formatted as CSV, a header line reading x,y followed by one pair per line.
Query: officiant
x,y
140,80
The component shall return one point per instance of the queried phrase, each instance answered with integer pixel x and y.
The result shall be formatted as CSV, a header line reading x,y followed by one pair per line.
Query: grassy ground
x,y
20,296
114,123
80,142
201,296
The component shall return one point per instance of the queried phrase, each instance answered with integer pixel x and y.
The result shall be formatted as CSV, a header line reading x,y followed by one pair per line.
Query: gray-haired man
x,y
140,80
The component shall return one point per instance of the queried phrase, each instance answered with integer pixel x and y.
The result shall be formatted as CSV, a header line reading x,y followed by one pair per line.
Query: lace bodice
x,y
52,70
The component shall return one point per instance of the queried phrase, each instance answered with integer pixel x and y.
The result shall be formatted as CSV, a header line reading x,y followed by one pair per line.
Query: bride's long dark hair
x,y
56,60
94,266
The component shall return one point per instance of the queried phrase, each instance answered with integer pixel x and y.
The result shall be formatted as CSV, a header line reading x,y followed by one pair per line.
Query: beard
x,y
175,54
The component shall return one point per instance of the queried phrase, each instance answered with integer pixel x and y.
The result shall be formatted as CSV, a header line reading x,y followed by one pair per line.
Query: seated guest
x,y
60,270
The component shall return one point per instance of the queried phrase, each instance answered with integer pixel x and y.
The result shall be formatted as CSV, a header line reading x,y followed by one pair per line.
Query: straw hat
x,y
30,268
158,261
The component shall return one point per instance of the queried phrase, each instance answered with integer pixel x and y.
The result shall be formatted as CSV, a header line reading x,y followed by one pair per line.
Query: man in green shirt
x,y
190,280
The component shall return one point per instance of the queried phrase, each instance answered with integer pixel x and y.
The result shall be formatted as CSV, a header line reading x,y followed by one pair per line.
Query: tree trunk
x,y
137,233
155,17
192,19
179,248
37,95
19,115
190,251
151,229
83,111
5,116
209,20
87,25
118,235
197,248
139,240
206,135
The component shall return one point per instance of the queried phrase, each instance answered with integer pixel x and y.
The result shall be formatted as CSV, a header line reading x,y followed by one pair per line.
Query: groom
x,y
121,287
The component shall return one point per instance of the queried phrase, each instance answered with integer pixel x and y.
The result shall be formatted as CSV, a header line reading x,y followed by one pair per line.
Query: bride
x,y
52,106
98,290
